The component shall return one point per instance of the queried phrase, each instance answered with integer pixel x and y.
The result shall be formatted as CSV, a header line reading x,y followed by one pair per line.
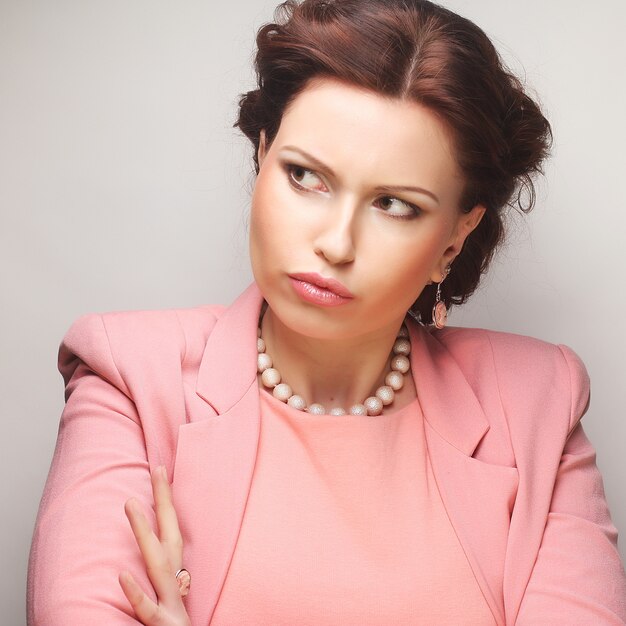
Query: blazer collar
x,y
228,364
448,402
449,405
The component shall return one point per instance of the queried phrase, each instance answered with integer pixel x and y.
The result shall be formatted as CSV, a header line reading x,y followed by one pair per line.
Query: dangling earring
x,y
440,312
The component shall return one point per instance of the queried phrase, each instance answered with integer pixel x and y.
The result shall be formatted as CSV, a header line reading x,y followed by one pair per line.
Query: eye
x,y
298,176
409,212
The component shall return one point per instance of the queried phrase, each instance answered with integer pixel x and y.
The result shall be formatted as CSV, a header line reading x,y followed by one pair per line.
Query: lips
x,y
331,284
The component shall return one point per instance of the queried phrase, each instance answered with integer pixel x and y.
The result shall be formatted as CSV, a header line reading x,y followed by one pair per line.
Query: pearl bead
x,y
395,380
297,402
400,363
386,394
282,391
373,405
270,377
337,410
358,409
402,346
263,361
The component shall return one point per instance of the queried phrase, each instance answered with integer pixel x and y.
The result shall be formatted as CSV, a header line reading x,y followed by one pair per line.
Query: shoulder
x,y
506,349
526,369
113,343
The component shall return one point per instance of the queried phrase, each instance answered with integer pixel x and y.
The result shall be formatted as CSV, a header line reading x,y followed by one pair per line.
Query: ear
x,y
261,150
466,223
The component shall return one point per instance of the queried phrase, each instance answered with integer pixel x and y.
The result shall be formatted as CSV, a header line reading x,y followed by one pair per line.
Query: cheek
x,y
278,216
401,268
262,215
397,255
273,235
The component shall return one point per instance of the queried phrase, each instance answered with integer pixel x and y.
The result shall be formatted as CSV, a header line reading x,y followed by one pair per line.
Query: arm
x,y
578,577
82,538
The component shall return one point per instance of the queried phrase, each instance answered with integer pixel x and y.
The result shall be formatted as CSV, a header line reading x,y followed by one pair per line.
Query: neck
x,y
333,372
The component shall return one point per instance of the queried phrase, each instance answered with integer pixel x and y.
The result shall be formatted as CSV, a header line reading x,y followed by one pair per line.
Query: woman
x,y
338,454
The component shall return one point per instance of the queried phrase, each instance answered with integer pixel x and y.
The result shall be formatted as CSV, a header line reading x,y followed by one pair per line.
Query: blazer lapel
x,y
215,456
478,496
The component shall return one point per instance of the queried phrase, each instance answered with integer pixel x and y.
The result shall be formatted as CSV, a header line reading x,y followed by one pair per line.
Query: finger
x,y
145,609
169,531
156,560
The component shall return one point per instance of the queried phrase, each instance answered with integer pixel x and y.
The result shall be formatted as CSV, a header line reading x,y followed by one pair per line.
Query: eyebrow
x,y
384,188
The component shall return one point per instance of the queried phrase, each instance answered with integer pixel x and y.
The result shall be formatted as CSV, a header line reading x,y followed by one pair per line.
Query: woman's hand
x,y
163,558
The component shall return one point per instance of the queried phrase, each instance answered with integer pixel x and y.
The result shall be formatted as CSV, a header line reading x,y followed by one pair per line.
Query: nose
x,y
335,240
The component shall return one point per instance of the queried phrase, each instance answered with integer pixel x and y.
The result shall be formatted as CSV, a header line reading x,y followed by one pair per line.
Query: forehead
x,y
351,128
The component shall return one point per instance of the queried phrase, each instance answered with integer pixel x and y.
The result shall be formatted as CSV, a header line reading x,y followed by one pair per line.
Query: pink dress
x,y
345,525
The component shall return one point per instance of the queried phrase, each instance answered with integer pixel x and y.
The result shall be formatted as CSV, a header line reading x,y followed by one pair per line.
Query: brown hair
x,y
420,51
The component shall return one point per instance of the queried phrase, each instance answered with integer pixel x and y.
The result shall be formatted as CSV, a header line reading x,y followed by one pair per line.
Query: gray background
x,y
124,186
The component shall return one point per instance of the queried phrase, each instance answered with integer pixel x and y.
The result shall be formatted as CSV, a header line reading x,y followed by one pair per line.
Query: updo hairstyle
x,y
418,51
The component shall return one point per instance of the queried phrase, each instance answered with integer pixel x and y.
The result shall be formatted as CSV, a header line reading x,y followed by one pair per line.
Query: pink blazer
x,y
516,472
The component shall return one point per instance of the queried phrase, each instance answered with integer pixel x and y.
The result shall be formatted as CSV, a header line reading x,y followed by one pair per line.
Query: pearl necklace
x,y
373,405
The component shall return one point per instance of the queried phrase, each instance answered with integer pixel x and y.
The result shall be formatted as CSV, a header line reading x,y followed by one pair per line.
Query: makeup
x,y
317,295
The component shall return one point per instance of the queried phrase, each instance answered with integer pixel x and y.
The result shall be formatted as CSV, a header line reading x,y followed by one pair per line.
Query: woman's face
x,y
335,220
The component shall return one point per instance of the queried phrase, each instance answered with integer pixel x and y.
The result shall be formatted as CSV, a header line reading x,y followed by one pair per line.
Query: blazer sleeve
x,y
82,538
578,577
